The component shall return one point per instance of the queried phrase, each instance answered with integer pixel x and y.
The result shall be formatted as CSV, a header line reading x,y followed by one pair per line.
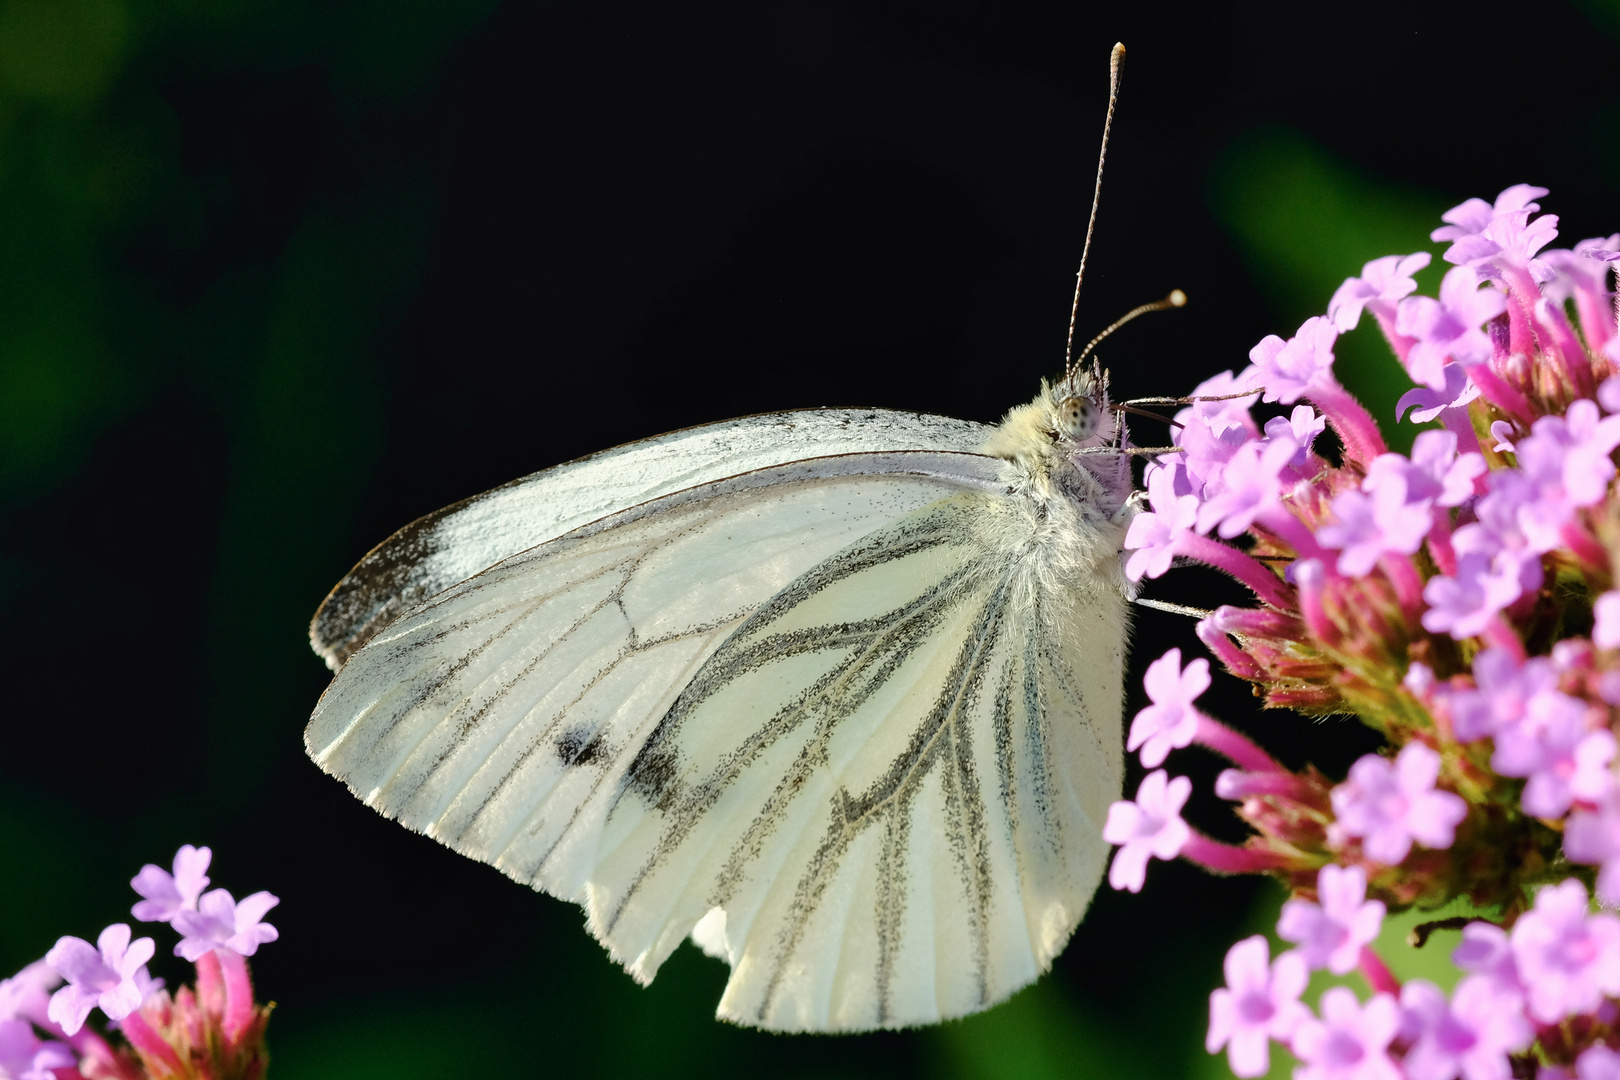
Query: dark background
x,y
276,278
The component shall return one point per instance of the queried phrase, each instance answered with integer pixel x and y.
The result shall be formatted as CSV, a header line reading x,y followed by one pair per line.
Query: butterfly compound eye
x,y
1077,417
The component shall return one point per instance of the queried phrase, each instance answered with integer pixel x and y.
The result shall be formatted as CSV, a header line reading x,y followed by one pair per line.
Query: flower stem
x,y
1440,549
1353,423
210,983
1229,560
1498,634
1403,576
238,993
1237,661
1496,391
1227,858
149,1043
1237,786
1238,749
1377,973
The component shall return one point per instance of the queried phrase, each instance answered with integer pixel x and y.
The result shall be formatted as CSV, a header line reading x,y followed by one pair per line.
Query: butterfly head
x,y
1080,412
1072,414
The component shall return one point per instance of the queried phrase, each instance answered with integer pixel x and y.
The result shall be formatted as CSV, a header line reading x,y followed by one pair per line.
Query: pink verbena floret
x,y
1373,524
110,974
1251,485
1491,239
1505,690
1148,827
1332,933
1153,536
1350,1042
1470,1036
1567,958
1448,328
1260,1002
1288,369
220,922
169,894
1382,282
1172,720
27,994
1563,758
1593,837
1388,805
25,1056
1487,952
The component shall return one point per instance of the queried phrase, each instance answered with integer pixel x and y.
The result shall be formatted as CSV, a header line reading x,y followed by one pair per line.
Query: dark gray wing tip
x,y
382,586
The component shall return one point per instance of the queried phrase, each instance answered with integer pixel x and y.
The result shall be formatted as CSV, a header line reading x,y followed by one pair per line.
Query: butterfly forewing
x,y
446,547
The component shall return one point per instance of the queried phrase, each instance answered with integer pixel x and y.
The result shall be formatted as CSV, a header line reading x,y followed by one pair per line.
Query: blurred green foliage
x,y
1305,221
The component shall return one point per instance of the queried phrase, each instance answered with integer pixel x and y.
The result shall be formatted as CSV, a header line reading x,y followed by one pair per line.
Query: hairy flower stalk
x,y
213,1030
1459,600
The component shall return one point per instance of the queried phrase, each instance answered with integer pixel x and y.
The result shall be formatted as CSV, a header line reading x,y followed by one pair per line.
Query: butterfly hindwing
x,y
911,828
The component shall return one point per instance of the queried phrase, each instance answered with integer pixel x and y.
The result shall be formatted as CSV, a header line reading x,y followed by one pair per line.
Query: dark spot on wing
x,y
581,746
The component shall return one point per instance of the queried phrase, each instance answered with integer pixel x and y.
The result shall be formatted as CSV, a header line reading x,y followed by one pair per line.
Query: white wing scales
x,y
816,717
448,546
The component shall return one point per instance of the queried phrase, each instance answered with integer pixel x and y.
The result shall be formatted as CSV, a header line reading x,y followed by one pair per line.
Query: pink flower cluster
x,y
214,1030
1462,601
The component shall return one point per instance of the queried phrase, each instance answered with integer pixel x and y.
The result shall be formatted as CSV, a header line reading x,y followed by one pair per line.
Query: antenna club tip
x,y
1177,298
1119,48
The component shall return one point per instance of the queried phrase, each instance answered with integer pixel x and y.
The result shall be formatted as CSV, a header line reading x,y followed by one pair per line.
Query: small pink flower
x,y
27,994
1435,474
1597,1063
221,922
25,1056
1470,1036
168,894
1303,425
1259,1003
1593,837
1487,952
1426,404
1448,328
1149,827
109,974
1369,526
1486,237
1489,577
1382,282
1287,369
1389,805
1251,485
1153,536
1606,620
1211,431
1566,458
1350,1042
1331,934
1567,959
1552,746
1506,688
1172,720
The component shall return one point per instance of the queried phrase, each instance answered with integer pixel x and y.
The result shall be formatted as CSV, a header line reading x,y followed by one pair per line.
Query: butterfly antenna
x,y
1116,60
1176,299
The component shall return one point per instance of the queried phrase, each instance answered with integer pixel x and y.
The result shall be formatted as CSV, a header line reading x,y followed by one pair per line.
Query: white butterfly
x,y
836,693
